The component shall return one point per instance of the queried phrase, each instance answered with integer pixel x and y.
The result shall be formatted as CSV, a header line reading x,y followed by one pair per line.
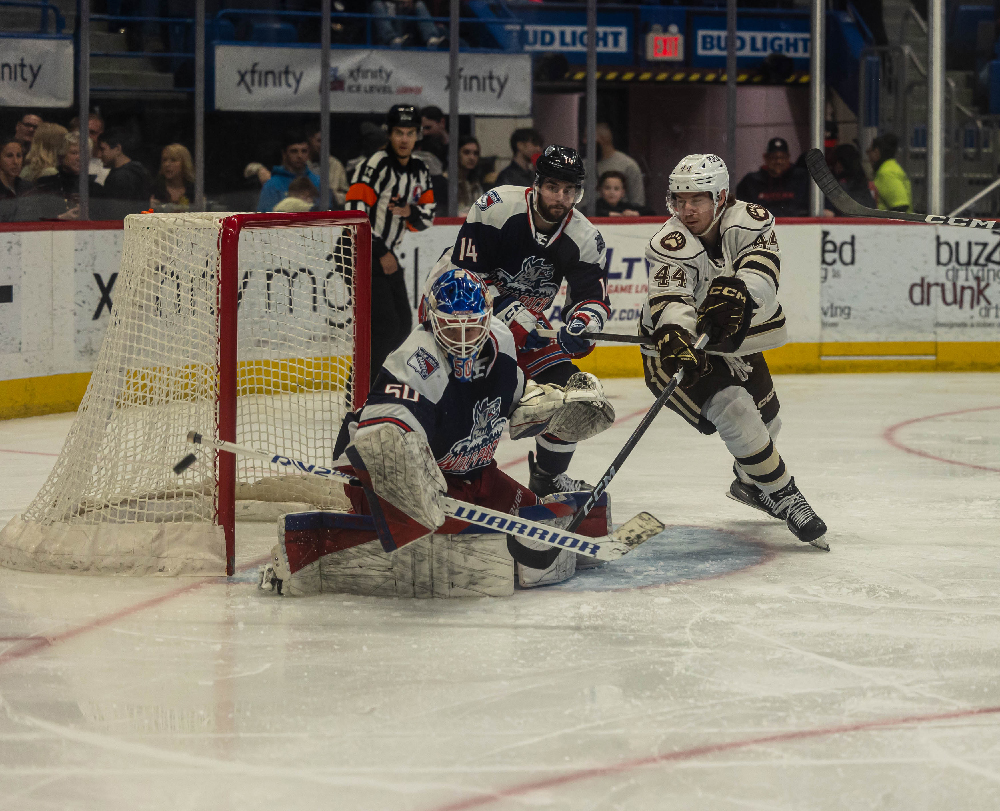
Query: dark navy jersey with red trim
x,y
416,391
497,242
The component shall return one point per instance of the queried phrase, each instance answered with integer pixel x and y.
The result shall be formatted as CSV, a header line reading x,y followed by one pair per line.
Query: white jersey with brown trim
x,y
681,270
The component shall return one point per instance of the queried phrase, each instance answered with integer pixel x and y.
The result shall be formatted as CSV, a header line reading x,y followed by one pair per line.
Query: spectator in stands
x,y
11,161
434,129
614,160
612,201
66,183
302,196
892,185
173,189
95,126
127,179
373,138
24,130
526,144
294,163
848,170
43,157
396,32
470,186
338,176
778,186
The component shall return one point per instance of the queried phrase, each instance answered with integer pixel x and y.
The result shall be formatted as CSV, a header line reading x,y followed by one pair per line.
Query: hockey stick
x,y
606,547
633,440
602,336
843,202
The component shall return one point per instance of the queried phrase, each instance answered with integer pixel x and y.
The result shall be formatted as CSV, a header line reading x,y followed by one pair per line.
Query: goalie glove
x,y
539,404
573,414
403,472
521,322
677,351
726,313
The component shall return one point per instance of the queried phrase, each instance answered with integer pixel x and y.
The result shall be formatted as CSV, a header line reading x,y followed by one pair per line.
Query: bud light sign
x,y
755,40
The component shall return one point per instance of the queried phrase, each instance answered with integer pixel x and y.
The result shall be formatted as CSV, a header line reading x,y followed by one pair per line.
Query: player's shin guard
x,y
548,469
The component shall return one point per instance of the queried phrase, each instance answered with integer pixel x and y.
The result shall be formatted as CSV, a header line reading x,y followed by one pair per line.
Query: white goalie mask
x,y
699,173
459,307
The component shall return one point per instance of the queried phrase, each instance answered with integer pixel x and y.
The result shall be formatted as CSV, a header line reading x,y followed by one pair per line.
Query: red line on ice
x,y
27,453
482,800
34,644
890,436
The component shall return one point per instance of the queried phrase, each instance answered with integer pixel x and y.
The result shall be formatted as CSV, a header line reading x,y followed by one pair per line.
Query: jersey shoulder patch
x,y
492,197
742,228
747,215
673,242
586,237
498,205
420,363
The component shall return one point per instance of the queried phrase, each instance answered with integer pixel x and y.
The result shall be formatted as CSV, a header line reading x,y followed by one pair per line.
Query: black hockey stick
x,y
603,336
845,204
633,440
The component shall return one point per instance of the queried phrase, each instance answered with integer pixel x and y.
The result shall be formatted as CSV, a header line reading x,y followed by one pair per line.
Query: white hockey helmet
x,y
697,173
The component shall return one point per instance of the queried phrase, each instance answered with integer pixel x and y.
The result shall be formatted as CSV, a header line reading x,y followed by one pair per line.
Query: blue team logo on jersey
x,y
490,198
532,284
423,363
479,447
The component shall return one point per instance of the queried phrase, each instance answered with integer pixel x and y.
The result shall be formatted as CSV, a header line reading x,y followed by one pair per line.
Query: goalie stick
x,y
845,204
616,544
633,440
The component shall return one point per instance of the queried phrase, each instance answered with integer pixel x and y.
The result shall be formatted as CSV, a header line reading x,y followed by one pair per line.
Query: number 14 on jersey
x,y
467,249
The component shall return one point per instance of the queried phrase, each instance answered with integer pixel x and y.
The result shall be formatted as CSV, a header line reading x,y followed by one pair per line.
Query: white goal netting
x,y
112,504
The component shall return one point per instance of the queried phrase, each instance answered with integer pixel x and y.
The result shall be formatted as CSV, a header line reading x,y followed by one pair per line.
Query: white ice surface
x,y
760,674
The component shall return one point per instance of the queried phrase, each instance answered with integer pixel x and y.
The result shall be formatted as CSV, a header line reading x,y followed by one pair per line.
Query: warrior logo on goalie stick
x,y
531,284
478,448
423,363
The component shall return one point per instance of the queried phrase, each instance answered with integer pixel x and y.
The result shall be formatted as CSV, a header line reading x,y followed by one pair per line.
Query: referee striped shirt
x,y
376,182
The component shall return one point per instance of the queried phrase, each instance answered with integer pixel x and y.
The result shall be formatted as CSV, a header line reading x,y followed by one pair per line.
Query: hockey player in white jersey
x,y
524,242
715,269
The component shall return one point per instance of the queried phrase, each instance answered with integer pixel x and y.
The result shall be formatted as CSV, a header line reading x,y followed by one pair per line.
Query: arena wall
x,y
859,295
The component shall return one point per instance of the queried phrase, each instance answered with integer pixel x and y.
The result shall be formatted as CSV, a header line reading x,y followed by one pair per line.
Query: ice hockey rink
x,y
724,665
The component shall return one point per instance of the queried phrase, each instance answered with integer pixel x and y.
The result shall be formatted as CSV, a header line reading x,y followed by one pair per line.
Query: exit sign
x,y
665,47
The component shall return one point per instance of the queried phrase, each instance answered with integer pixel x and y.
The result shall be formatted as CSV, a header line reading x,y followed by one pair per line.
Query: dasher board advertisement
x,y
36,72
251,78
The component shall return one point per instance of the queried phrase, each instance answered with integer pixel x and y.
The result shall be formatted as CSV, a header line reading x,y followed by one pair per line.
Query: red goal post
x,y
251,327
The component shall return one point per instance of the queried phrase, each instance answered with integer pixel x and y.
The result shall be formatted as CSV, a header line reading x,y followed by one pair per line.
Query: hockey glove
x,y
577,336
521,322
677,351
726,313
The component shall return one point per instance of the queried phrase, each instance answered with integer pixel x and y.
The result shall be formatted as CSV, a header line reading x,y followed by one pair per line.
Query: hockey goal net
x,y
252,328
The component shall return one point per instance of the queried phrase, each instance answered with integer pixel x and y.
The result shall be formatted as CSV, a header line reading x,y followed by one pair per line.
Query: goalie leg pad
x,y
586,412
403,472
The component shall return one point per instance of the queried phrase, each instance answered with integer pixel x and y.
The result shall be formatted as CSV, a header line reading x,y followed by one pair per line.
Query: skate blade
x,y
637,530
820,543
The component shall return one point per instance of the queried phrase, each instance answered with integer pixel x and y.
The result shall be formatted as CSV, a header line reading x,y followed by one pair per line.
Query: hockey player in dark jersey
x,y
436,412
524,242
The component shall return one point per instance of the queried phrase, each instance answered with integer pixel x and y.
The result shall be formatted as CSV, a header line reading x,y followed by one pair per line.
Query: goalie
x,y
714,268
435,415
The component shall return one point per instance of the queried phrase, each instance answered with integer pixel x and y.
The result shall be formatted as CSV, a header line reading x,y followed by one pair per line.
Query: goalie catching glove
x,y
574,413
403,472
726,313
677,351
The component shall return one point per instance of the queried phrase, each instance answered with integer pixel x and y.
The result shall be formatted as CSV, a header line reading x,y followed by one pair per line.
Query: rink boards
x,y
859,295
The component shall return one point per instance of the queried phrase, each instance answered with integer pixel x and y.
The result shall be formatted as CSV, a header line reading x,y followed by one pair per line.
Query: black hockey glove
x,y
677,350
725,314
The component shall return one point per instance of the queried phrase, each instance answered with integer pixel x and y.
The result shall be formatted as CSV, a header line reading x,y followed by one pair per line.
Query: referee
x,y
394,189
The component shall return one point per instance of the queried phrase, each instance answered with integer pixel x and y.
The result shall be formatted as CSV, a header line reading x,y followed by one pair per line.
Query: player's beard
x,y
546,214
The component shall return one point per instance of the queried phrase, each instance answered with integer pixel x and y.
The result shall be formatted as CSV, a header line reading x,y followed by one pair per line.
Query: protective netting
x,y
112,503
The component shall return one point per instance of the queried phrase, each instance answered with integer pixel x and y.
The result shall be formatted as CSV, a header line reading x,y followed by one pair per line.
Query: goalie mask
x,y
459,307
700,173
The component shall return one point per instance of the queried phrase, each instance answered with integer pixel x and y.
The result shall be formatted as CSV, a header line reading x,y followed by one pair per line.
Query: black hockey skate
x,y
545,484
787,504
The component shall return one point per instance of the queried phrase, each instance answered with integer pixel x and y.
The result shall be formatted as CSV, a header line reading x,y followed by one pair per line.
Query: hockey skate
x,y
787,504
545,484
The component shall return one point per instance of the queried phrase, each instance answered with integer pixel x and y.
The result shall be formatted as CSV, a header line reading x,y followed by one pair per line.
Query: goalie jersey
x,y
462,421
681,270
498,242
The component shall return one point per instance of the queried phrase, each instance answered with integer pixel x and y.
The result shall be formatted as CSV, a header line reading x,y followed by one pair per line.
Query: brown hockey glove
x,y
677,350
725,314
